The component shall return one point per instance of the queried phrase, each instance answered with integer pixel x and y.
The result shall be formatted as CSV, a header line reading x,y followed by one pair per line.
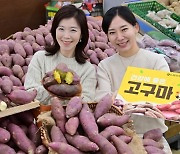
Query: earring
x,y
80,40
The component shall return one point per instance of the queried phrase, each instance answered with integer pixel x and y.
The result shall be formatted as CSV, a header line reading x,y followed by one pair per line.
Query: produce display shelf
x,y
141,9
20,108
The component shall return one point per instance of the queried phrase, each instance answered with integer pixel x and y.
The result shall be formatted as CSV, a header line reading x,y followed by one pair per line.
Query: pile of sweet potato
x,y
62,82
78,129
20,135
171,111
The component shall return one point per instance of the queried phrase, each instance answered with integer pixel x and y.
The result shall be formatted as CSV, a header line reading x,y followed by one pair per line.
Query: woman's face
x,y
68,34
123,36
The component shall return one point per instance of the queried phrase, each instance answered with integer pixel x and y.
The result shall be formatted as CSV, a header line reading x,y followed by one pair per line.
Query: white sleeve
x,y
33,80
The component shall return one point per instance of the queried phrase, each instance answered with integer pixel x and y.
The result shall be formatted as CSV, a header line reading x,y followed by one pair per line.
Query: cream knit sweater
x,y
40,64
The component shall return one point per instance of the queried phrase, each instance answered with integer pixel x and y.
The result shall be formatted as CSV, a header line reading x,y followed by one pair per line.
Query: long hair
x,y
69,11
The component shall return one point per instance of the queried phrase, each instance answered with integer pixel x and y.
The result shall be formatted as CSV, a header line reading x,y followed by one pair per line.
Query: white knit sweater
x,y
40,64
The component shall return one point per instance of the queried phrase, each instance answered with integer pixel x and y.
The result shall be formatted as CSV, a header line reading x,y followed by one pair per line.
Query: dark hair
x,y
122,11
69,11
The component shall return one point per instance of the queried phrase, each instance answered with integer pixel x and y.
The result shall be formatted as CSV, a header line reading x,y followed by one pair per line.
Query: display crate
x,y
141,9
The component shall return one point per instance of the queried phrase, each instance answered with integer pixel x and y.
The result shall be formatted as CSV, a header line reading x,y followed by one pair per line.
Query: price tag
x,y
153,86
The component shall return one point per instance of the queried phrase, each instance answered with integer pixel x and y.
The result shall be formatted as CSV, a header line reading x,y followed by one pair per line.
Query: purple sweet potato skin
x,y
155,134
103,106
57,135
152,149
20,138
4,135
21,96
72,125
73,107
150,142
5,71
61,147
5,149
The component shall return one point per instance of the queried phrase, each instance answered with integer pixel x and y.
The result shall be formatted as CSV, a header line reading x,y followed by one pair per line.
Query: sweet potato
x,y
58,113
153,150
110,119
121,146
28,48
11,44
34,134
57,135
61,147
151,142
4,48
49,39
101,45
125,138
5,71
104,145
110,51
5,135
18,72
72,125
18,60
95,25
15,80
22,96
25,68
5,149
65,90
41,149
30,39
154,134
6,60
6,85
48,81
93,58
18,48
20,152
103,106
73,107
87,121
112,130
40,39
36,47
17,35
82,143
100,39
20,138
28,60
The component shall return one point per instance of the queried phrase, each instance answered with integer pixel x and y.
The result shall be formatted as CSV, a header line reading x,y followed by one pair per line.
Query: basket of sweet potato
x,y
82,127
62,82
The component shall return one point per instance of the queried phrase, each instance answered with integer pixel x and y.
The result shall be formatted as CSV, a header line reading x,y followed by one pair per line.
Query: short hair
x,y
70,11
122,11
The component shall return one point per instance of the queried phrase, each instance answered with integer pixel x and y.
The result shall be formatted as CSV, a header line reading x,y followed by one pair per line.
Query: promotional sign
x,y
155,91
154,86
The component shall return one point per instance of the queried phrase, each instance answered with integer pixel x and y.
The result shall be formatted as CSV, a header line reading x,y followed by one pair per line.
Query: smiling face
x,y
123,36
68,34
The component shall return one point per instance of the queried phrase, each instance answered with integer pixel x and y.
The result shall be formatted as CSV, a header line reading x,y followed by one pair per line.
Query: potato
x,y
152,149
124,138
104,145
5,135
58,113
20,138
154,134
6,85
18,60
40,39
18,72
73,107
103,106
72,125
82,143
5,71
16,81
22,96
18,48
6,60
112,130
110,119
87,121
65,90
5,149
57,135
121,146
61,147
28,48
151,142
